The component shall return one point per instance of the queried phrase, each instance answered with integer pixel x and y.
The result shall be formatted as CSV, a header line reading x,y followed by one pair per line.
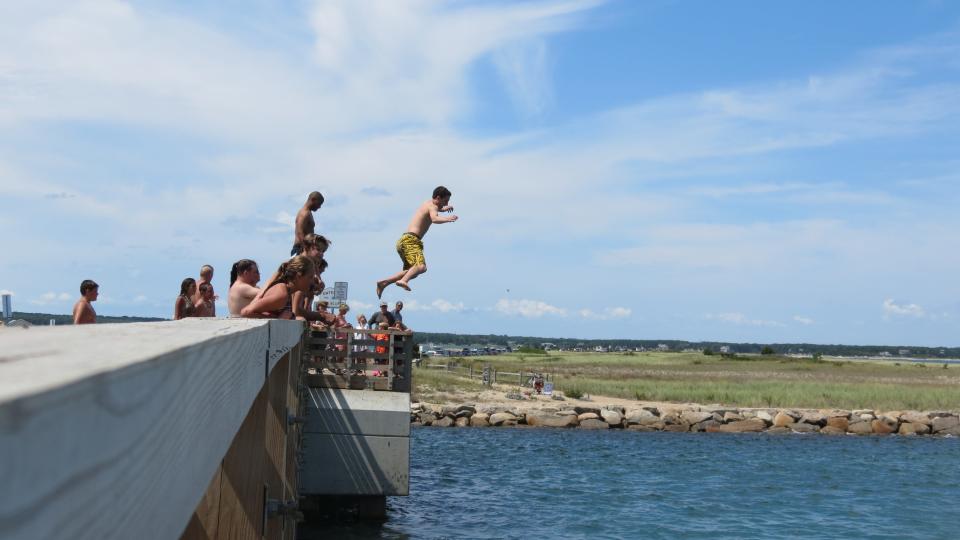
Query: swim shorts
x,y
410,249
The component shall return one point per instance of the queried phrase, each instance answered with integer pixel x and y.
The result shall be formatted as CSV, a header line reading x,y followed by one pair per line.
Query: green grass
x,y
747,381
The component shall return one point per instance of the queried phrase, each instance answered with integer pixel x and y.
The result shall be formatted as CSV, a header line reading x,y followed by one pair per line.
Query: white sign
x,y
335,295
548,389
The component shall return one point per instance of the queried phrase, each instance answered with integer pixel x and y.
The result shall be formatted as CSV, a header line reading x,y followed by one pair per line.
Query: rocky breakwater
x,y
698,418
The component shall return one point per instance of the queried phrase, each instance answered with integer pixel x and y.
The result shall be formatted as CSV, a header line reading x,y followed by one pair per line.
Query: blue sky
x,y
736,171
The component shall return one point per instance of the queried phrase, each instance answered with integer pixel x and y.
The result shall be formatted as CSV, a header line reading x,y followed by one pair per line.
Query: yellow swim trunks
x,y
410,249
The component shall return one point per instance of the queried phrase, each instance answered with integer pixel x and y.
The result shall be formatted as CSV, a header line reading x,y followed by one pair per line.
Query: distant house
x,y
663,347
599,348
548,346
725,349
904,352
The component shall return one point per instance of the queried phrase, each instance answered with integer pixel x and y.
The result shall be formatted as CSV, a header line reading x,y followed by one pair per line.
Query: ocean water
x,y
557,483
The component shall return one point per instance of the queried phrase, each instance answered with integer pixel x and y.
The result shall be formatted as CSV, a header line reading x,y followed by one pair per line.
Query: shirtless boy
x,y
305,224
83,312
410,245
244,277
206,276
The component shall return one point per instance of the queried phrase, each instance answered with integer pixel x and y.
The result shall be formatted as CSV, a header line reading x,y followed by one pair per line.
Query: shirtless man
x,y
204,307
83,312
206,276
410,245
244,277
305,223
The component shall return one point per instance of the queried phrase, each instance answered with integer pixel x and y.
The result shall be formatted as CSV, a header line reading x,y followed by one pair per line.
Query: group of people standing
x,y
290,290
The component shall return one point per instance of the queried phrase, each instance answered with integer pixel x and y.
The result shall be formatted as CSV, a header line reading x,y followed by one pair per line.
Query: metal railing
x,y
358,359
491,375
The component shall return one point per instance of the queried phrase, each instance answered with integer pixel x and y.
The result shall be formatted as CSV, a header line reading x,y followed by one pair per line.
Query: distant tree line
x,y
43,319
465,340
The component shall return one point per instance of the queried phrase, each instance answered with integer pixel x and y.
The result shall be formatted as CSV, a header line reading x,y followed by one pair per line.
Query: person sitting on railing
x,y
295,275
183,307
204,307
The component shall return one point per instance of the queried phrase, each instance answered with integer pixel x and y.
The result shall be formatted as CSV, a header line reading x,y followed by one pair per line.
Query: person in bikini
x,y
83,312
183,307
303,300
275,301
244,276
410,245
204,306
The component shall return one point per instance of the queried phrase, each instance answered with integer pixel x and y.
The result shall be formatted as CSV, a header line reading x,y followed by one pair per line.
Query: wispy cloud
x,y
606,314
51,297
531,309
740,319
439,305
806,321
892,309
375,192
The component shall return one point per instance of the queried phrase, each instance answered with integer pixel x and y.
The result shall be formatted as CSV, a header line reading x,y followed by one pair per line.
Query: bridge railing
x,y
358,358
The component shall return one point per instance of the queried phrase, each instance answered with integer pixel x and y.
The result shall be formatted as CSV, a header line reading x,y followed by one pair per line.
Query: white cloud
x,y
607,314
806,321
440,305
50,298
524,69
891,308
142,298
530,309
740,319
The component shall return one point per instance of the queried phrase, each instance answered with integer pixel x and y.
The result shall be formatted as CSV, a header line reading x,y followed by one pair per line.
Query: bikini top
x,y
286,307
188,308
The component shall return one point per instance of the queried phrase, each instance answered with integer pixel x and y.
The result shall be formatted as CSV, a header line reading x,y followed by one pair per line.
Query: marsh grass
x,y
746,381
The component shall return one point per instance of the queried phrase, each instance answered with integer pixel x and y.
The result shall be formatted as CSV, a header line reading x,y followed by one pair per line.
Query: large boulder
x,y
831,430
445,421
838,422
642,417
916,417
551,420
835,413
614,418
676,427
705,425
502,418
884,425
779,430
766,416
695,417
731,416
783,419
803,427
480,420
741,426
593,423
462,421
467,407
588,416
862,427
581,410
466,413
909,428
814,418
945,423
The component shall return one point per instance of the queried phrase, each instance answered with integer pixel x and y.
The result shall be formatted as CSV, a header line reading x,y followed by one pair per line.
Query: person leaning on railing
x,y
275,301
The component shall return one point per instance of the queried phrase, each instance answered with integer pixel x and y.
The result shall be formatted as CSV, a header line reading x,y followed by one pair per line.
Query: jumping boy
x,y
410,245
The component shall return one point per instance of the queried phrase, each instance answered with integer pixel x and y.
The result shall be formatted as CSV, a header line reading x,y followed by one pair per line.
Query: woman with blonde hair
x,y
275,301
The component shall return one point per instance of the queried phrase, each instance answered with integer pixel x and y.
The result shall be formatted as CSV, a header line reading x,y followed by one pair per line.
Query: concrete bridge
x,y
201,428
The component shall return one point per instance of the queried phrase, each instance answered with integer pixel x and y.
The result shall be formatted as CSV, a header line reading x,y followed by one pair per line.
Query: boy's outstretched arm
x,y
435,217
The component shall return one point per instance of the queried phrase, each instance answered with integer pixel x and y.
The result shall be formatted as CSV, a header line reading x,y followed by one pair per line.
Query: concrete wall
x,y
356,442
120,431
